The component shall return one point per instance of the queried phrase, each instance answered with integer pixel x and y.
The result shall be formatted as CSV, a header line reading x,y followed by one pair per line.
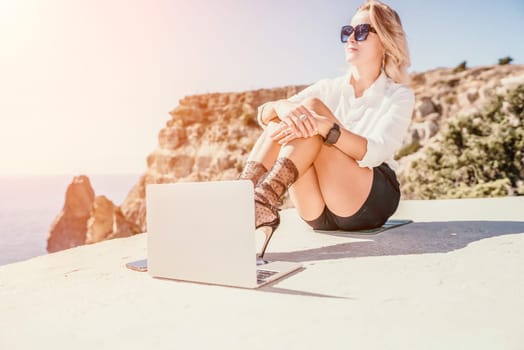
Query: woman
x,y
332,145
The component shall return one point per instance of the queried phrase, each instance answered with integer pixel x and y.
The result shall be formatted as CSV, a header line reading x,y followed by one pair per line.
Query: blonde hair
x,y
387,23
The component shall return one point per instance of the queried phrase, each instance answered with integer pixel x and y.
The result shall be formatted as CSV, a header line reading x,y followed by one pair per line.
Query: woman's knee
x,y
315,104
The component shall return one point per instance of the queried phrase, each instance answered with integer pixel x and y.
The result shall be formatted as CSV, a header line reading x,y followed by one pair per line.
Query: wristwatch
x,y
332,135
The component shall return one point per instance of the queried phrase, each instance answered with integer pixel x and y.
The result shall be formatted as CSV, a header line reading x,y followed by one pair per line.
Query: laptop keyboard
x,y
262,275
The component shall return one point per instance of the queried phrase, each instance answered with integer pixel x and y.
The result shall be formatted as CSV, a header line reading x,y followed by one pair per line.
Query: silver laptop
x,y
205,232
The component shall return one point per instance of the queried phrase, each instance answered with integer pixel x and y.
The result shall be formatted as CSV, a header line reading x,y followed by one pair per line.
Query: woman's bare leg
x,y
306,195
265,149
328,177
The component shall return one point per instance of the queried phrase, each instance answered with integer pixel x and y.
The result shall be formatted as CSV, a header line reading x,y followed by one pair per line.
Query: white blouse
x,y
382,114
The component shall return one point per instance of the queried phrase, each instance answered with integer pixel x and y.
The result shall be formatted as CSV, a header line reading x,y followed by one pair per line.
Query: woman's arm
x,y
266,113
271,110
350,143
373,148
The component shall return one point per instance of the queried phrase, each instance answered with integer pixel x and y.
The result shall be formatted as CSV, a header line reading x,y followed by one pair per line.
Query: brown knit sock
x,y
253,171
269,191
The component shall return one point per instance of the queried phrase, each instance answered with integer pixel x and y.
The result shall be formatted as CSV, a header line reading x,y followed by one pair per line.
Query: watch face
x,y
333,135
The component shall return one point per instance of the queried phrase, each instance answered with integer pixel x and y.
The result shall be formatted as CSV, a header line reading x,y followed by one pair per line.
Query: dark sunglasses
x,y
361,32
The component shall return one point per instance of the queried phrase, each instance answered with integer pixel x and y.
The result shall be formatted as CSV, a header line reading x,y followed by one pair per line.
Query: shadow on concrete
x,y
269,288
414,238
299,292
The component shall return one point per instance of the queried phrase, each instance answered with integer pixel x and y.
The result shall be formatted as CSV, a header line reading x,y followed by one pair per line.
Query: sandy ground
x,y
433,284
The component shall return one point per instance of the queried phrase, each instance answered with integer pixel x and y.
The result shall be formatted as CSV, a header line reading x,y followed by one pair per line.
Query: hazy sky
x,y
85,86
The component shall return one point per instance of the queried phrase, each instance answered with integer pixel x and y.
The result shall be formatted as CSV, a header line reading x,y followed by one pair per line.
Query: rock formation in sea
x,y
86,218
209,136
69,228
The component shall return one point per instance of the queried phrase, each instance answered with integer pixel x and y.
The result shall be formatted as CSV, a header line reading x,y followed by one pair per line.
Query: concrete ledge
x,y
501,208
433,284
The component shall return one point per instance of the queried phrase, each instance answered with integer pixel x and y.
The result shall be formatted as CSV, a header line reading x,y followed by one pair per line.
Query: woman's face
x,y
367,52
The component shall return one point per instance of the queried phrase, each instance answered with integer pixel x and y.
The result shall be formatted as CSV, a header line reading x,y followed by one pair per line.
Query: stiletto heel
x,y
269,229
268,195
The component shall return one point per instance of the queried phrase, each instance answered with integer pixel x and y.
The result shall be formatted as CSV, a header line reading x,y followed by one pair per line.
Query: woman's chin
x,y
351,56
351,60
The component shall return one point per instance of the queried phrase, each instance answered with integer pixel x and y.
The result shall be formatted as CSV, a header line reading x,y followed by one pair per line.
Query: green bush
x,y
461,67
408,149
481,155
505,60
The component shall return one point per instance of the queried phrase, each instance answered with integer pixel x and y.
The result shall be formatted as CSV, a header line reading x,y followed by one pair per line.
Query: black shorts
x,y
381,203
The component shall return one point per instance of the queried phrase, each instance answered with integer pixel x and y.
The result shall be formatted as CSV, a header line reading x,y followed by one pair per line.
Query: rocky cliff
x,y
208,137
86,218
467,134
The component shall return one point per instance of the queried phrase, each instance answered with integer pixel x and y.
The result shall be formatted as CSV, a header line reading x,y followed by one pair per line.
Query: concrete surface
x,y
454,279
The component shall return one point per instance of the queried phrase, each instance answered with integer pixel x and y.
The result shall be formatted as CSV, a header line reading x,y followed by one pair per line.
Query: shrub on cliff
x,y
505,60
462,66
480,155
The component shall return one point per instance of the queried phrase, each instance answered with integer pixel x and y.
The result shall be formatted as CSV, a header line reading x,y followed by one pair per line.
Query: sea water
x,y
29,205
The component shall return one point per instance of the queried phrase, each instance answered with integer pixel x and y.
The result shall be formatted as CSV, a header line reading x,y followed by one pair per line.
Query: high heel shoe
x,y
268,232
268,227
268,194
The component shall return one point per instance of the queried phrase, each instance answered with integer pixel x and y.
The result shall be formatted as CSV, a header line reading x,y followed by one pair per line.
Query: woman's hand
x,y
296,117
299,122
